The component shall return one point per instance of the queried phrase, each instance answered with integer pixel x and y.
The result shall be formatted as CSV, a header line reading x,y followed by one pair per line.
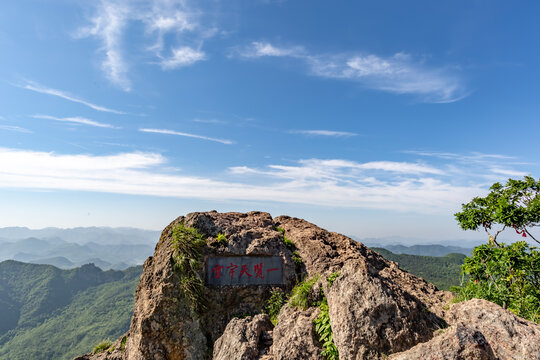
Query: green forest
x,y
49,313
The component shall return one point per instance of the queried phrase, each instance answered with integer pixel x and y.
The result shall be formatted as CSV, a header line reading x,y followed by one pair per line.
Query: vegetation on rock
x,y
102,346
300,293
324,330
188,245
277,299
222,239
508,275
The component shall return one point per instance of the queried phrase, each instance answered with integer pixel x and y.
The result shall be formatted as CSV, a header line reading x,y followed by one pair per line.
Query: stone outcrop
x,y
510,336
294,335
376,309
456,343
242,339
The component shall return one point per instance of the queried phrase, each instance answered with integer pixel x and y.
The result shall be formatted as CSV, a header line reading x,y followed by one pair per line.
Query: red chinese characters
x,y
241,271
232,268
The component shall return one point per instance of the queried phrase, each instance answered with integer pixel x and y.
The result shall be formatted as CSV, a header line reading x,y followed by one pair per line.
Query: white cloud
x,y
335,169
160,18
260,49
508,172
14,128
395,74
172,132
336,183
76,120
30,85
183,56
324,133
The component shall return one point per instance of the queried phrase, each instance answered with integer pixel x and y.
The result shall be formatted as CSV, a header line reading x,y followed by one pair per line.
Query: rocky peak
x,y
374,308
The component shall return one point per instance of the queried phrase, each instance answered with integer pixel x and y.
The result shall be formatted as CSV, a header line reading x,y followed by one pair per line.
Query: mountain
x,y
68,255
82,235
427,250
233,286
443,271
49,313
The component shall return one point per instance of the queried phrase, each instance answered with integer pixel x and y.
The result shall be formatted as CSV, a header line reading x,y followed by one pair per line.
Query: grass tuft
x,y
188,245
274,304
300,293
102,346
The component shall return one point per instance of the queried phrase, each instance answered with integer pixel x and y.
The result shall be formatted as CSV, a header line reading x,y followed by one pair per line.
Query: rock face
x,y
510,336
456,343
242,339
375,308
294,335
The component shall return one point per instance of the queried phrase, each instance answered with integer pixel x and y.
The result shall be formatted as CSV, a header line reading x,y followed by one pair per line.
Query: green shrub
x,y
300,293
274,304
188,245
324,330
222,239
333,276
102,346
506,275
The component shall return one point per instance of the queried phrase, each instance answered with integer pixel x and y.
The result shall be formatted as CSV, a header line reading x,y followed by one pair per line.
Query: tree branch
x,y
532,237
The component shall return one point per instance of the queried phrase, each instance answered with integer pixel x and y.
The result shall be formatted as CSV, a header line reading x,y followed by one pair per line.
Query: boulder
x,y
510,336
242,339
294,335
455,343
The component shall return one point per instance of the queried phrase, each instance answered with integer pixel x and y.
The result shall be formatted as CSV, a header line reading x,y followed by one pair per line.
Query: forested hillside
x,y
49,313
442,271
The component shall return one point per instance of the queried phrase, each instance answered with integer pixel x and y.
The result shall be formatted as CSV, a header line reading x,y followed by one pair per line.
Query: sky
x,y
373,119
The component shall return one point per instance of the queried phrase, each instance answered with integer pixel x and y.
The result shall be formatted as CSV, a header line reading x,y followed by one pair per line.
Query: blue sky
x,y
370,118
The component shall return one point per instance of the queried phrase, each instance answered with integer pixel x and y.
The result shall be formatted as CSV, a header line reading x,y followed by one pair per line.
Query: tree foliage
x,y
508,275
513,205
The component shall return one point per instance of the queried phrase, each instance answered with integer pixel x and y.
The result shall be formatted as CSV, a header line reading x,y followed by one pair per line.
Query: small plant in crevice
x,y
300,293
281,230
333,276
188,245
296,258
123,343
222,239
277,299
324,330
102,346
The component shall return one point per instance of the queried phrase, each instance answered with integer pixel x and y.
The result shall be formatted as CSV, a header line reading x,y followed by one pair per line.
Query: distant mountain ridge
x,y
428,250
83,235
107,248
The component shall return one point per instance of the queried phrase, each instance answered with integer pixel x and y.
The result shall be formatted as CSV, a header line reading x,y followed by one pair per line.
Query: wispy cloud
x,y
260,49
508,172
173,19
336,183
172,132
33,86
76,120
399,74
183,56
14,128
329,133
